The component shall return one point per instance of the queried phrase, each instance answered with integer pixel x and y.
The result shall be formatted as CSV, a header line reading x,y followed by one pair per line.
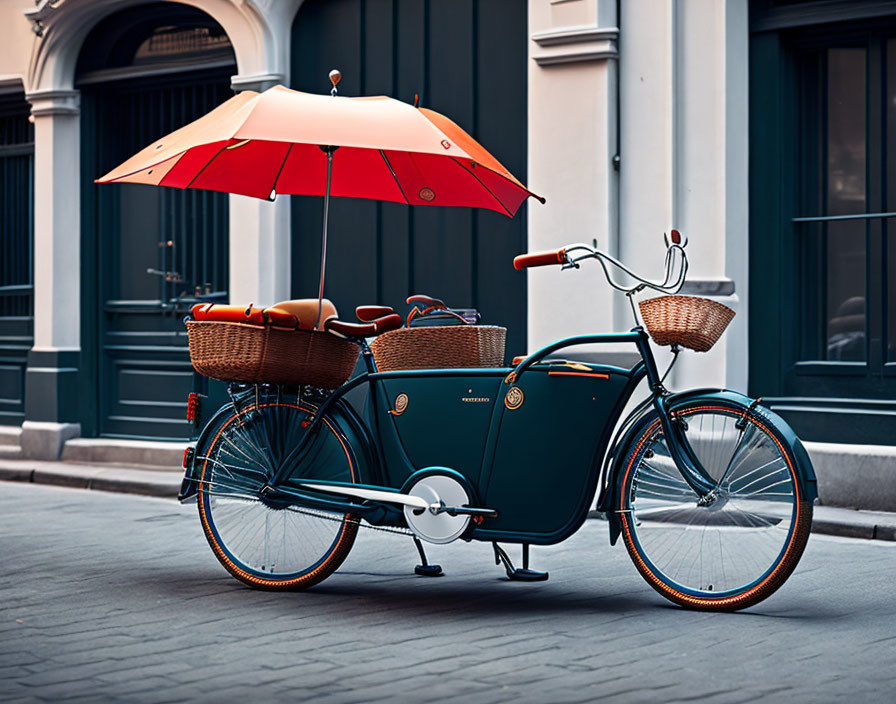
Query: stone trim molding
x,y
11,84
258,82
576,44
708,287
54,102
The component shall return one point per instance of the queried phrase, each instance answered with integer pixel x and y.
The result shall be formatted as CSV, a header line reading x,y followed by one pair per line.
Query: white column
x,y
572,142
737,187
52,373
260,236
57,213
259,250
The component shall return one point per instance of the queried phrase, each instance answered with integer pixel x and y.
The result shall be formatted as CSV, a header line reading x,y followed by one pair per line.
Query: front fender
x,y
609,500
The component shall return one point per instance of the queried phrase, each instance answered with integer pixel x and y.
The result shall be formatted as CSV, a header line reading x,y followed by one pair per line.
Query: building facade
x,y
757,127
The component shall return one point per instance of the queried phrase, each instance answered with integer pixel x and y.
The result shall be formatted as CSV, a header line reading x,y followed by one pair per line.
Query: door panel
x,y
467,59
146,248
16,246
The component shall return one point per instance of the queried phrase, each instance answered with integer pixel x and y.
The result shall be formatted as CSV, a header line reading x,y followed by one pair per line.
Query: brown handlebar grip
x,y
523,261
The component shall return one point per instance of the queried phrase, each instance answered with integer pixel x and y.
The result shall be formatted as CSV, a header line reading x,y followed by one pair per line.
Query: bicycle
x,y
711,492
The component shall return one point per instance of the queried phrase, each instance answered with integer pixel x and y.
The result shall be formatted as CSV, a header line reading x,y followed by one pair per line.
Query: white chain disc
x,y
438,528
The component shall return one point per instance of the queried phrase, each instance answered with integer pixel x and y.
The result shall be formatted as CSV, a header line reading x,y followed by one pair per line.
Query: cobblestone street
x,y
118,598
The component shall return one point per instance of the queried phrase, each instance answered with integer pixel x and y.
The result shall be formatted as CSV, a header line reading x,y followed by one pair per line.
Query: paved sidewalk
x,y
871,525
118,598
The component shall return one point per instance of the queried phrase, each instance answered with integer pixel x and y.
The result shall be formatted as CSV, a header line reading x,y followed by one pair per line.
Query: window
x,y
823,218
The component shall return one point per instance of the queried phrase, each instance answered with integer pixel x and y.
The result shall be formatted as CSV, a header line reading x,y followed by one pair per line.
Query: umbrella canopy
x,y
262,144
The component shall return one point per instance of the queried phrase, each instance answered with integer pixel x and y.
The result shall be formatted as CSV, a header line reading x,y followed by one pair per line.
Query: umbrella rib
x,y
207,164
481,183
392,171
280,170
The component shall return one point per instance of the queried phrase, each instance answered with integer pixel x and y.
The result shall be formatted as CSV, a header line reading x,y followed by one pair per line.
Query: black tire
x,y
735,552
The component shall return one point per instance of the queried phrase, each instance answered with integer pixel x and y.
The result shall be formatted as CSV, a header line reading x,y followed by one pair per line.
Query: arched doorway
x,y
467,59
142,73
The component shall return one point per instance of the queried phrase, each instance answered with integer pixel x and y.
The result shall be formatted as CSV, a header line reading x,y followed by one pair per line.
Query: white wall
x,y
572,141
682,103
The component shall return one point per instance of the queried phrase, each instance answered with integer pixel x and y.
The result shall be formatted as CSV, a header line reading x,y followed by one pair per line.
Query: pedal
x,y
426,569
518,574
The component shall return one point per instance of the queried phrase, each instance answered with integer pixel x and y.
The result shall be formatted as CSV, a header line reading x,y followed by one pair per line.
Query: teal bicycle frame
x,y
537,465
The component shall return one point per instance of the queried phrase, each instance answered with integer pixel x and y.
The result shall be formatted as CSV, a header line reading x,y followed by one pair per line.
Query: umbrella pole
x,y
323,246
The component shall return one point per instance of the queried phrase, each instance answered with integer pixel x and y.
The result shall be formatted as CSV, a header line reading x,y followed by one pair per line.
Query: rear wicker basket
x,y
254,354
688,321
451,346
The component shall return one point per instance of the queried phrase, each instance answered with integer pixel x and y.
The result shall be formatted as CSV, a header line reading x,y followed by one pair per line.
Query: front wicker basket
x,y
255,354
447,347
688,321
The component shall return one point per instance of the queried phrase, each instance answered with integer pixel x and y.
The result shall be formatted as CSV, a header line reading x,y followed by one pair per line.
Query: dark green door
x,y
823,228
144,248
16,231
466,59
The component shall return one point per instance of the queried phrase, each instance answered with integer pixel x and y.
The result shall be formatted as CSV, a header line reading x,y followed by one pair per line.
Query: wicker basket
x,y
254,353
447,347
688,321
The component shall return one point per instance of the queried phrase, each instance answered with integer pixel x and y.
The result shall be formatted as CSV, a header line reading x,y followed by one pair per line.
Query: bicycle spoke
x,y
272,541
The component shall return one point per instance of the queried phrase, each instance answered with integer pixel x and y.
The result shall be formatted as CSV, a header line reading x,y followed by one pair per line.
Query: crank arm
x,y
392,497
436,509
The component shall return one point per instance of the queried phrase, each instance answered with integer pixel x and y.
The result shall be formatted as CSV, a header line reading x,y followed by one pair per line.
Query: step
x,y
10,452
10,435
156,454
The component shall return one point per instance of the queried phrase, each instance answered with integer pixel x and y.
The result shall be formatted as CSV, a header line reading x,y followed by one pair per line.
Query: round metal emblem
x,y
401,403
514,398
427,194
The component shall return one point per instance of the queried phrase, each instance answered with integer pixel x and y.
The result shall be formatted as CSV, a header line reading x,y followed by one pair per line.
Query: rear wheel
x,y
261,543
742,546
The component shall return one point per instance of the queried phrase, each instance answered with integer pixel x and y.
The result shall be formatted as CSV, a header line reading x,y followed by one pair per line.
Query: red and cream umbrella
x,y
283,141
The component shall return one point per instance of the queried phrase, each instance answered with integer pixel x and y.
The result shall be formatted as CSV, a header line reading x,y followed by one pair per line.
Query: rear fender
x,y
609,500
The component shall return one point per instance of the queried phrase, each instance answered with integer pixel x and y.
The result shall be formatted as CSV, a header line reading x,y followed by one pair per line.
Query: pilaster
x,y
51,376
571,149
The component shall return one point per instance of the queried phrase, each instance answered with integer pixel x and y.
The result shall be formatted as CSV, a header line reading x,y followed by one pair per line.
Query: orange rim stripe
x,y
220,551
663,585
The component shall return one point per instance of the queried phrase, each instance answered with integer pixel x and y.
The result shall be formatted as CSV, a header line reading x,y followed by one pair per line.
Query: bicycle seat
x,y
305,312
377,326
368,314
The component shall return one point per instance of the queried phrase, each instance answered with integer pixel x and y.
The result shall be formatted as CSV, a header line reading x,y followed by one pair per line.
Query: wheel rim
x,y
257,541
732,545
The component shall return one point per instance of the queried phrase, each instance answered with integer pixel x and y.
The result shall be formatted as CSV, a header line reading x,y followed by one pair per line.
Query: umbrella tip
x,y
335,77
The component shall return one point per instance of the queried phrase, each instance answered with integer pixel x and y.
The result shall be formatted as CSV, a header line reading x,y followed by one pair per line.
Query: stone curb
x,y
129,480
165,483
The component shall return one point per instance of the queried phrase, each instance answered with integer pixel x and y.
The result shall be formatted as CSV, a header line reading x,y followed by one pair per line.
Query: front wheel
x,y
264,544
735,550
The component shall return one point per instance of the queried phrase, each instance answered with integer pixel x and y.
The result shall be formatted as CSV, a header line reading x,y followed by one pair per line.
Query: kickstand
x,y
523,574
426,569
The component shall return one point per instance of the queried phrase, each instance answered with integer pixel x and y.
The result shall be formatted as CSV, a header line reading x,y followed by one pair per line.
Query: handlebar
x,y
524,261
676,264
